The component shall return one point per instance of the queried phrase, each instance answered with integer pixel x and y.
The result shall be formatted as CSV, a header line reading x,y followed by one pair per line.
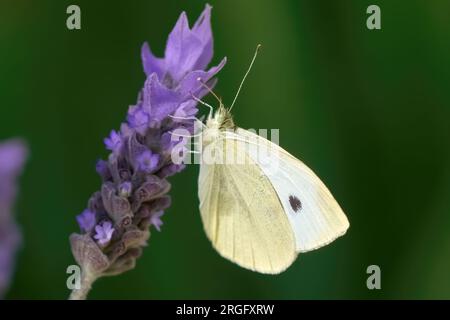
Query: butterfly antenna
x,y
204,85
203,103
246,74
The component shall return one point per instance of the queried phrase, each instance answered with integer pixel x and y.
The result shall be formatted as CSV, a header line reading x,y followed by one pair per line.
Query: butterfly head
x,y
221,120
217,123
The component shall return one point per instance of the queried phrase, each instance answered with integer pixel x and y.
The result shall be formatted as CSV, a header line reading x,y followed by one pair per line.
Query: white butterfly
x,y
255,216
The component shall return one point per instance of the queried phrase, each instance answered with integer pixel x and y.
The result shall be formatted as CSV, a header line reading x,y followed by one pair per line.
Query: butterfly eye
x,y
295,203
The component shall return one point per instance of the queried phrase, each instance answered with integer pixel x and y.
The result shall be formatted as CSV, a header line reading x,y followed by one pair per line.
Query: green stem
x,y
87,279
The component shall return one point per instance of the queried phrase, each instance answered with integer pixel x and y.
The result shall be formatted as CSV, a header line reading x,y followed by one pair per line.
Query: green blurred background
x,y
369,111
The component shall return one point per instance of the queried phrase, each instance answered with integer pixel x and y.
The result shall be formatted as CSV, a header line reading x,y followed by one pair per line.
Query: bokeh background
x,y
369,111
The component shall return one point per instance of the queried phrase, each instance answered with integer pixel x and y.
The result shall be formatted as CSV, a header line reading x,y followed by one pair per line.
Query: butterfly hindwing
x,y
315,216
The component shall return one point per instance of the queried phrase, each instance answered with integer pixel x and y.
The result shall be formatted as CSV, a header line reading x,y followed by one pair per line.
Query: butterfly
x,y
258,215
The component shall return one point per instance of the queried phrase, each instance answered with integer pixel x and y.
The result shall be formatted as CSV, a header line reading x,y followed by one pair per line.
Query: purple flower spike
x,y
86,220
133,195
103,233
12,158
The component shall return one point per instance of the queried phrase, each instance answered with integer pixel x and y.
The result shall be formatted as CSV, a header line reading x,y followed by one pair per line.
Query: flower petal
x,y
158,100
86,220
202,29
190,84
183,49
151,63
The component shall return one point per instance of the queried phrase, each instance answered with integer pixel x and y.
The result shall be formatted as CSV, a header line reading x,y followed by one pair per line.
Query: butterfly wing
x,y
315,216
242,215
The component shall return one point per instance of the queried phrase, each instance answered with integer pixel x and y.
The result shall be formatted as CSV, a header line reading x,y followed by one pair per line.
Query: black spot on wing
x,y
295,203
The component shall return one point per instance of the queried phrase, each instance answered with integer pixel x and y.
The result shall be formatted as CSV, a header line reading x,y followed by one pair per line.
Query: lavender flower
x,y
114,142
125,189
86,220
156,221
147,161
12,158
103,233
133,196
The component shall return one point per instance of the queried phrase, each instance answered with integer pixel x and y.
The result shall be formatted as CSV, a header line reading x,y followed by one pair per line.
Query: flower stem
x,y
87,279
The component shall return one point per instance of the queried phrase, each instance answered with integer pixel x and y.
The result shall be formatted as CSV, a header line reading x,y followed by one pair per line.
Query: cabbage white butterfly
x,y
256,217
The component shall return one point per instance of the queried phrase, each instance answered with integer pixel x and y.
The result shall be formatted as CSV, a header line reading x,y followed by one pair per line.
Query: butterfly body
x,y
215,125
